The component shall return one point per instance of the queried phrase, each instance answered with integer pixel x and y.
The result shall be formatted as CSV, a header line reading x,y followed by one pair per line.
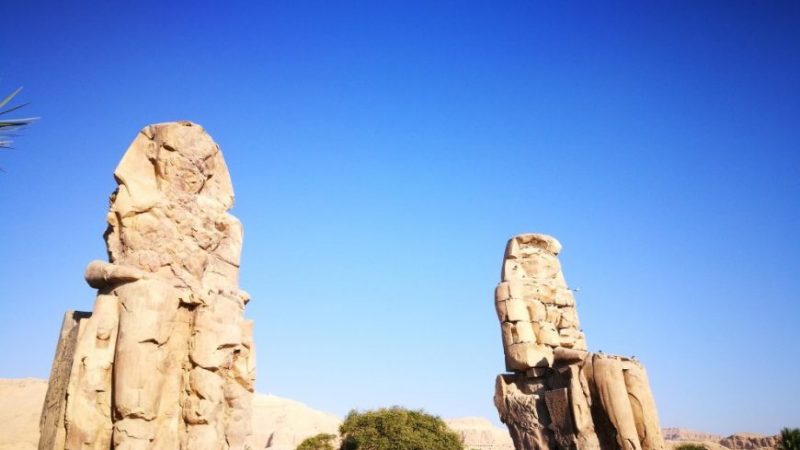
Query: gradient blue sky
x,y
383,152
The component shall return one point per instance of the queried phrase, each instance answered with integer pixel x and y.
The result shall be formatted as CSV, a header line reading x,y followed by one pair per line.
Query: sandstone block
x,y
537,311
501,292
502,312
524,332
527,355
546,334
517,310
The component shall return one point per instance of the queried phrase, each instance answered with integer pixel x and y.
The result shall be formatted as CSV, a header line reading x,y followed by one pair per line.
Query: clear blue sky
x,y
383,152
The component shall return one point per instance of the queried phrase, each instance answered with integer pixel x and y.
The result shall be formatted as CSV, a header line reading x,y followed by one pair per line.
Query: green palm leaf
x,y
10,97
789,439
8,126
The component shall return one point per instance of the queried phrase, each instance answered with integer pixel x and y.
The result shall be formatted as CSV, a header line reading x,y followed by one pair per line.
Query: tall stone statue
x,y
559,396
166,359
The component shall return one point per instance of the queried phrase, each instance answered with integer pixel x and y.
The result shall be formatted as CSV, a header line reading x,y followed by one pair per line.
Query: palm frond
x,y
789,439
10,97
8,126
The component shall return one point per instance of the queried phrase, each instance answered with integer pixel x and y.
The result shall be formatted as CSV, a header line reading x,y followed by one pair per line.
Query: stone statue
x,y
166,359
558,395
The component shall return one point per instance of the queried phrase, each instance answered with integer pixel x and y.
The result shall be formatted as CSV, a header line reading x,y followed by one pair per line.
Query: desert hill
x,y
479,433
20,407
685,434
737,441
281,424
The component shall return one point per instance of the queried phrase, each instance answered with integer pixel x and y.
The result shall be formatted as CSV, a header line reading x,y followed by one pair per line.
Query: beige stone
x,y
580,403
568,337
643,405
583,401
533,290
479,433
89,390
100,274
523,244
547,334
527,355
553,315
501,292
520,403
537,311
569,318
559,396
516,310
51,421
524,332
502,311
166,360
565,355
613,394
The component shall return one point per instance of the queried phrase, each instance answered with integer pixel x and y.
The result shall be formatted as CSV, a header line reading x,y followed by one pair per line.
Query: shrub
x,y
789,439
690,447
322,441
396,429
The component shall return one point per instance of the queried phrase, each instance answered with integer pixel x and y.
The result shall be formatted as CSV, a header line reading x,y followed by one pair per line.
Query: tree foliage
x,y
322,441
396,429
789,439
9,126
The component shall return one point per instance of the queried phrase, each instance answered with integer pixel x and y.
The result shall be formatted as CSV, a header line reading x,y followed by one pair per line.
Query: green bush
x,y
690,447
322,441
396,429
790,439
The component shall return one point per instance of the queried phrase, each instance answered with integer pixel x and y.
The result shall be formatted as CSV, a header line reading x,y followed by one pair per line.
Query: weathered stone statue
x,y
166,359
558,395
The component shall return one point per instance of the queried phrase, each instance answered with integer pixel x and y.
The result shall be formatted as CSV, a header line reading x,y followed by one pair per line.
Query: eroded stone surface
x,y
558,395
535,307
166,360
